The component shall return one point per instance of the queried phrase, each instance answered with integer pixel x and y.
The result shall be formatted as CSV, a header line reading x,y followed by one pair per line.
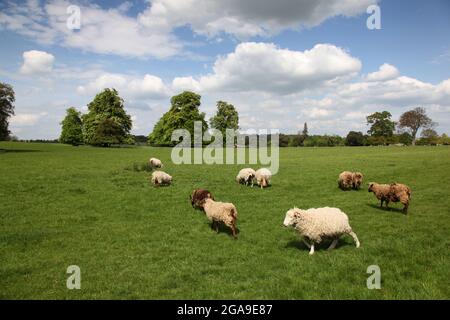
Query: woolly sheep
x,y
316,224
160,178
155,163
263,176
350,180
394,192
221,212
246,176
198,197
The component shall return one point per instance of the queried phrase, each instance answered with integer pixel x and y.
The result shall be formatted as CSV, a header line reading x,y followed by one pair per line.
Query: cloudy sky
x,y
281,63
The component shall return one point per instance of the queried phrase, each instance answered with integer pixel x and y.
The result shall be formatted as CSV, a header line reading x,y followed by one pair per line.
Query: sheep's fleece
x,y
221,212
318,224
155,163
161,178
263,176
246,176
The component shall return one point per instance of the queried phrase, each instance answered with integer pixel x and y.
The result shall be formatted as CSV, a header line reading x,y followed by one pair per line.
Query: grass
x,y
95,208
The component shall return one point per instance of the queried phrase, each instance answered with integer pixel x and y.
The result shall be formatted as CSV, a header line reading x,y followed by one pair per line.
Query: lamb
x,y
221,212
263,176
318,224
394,192
198,197
350,180
155,163
160,178
246,176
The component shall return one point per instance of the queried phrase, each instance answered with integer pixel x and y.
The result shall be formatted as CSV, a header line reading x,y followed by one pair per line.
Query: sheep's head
x,y
264,182
250,178
291,217
371,185
357,179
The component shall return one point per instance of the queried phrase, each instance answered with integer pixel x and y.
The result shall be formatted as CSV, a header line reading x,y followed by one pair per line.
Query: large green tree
x,y
71,131
226,117
7,99
354,139
381,124
184,111
106,122
413,120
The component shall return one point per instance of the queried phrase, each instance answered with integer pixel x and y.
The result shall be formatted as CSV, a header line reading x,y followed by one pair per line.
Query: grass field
x,y
63,205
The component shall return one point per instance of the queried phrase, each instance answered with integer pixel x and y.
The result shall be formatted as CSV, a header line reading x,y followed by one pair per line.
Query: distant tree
x,y
283,140
226,118
444,139
413,120
405,138
380,124
72,132
7,99
305,130
106,108
181,115
354,139
429,137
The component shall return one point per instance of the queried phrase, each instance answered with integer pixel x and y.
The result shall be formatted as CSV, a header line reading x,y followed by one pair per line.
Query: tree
x,y
305,130
445,139
226,118
354,139
181,115
380,124
72,132
107,105
413,120
7,99
429,137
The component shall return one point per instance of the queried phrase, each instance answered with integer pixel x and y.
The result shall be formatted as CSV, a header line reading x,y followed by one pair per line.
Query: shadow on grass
x,y
389,209
323,246
224,229
18,150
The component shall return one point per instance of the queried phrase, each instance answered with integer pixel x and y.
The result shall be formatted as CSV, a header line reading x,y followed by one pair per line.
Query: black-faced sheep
x,y
314,225
246,176
198,198
221,212
160,178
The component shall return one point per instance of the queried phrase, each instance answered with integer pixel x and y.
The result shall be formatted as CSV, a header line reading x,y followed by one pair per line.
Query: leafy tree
x,y
354,139
107,105
405,138
445,139
380,124
7,99
413,120
72,132
181,115
429,137
226,118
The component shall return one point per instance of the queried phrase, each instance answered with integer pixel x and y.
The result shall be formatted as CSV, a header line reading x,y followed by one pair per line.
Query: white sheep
x,y
316,224
263,176
160,178
221,212
155,163
246,176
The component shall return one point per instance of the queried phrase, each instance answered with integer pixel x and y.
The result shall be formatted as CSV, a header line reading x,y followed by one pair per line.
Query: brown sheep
x,y
393,192
350,180
198,198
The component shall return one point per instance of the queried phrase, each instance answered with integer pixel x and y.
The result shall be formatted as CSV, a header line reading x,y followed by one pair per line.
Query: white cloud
x,y
385,72
150,33
37,62
267,68
26,119
148,87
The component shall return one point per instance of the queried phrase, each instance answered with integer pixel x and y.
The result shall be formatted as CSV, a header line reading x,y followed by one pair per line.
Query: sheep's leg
x,y
405,207
381,203
306,243
355,238
217,227
233,229
311,251
333,244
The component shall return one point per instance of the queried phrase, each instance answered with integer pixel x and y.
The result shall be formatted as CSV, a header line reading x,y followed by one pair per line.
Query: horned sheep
x,y
198,197
393,192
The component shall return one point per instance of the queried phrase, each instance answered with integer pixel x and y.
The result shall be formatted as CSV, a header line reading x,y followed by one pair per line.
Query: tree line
x,y
106,123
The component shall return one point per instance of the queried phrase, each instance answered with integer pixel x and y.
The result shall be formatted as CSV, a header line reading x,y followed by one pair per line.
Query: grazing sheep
x,y
350,180
221,212
198,197
316,224
160,178
155,163
263,176
246,176
394,192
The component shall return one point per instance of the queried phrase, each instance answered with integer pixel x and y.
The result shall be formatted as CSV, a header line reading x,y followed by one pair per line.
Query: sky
x,y
280,63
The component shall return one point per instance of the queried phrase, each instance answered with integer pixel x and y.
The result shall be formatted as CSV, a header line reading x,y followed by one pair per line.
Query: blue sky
x,y
280,63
